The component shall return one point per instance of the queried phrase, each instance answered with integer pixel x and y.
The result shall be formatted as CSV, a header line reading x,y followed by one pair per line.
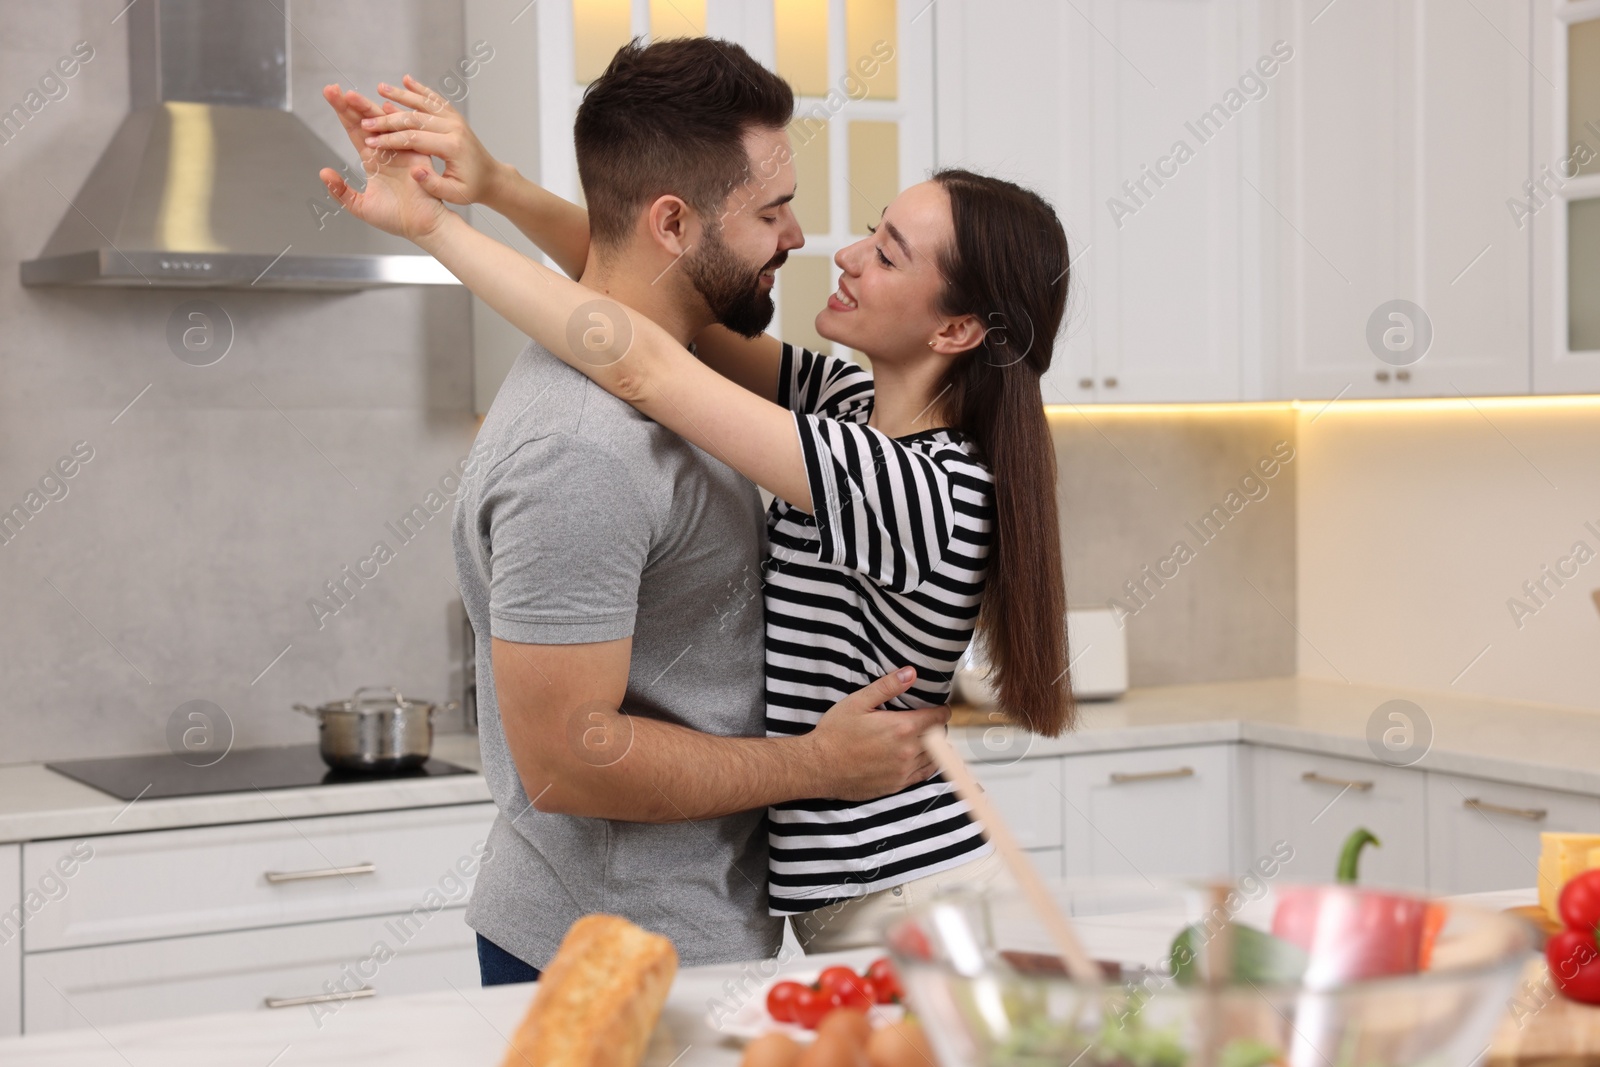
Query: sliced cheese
x,y
1562,856
1549,888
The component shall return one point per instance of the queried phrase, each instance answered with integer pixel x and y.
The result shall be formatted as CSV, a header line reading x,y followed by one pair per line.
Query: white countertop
x,y
1528,744
465,1026
1540,745
36,803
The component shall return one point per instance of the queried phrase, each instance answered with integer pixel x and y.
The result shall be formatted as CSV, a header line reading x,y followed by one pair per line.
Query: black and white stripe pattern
x,y
889,573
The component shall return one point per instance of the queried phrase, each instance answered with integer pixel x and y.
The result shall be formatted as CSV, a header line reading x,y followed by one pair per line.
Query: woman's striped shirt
x,y
887,573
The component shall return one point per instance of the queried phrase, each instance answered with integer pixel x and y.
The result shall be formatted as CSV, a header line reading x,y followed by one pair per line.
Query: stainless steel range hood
x,y
211,182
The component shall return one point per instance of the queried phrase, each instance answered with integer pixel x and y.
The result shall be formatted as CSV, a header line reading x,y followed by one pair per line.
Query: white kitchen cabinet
x,y
1566,179
11,913
1484,835
250,970
1047,861
1165,278
1160,812
207,879
1028,796
1313,802
1403,125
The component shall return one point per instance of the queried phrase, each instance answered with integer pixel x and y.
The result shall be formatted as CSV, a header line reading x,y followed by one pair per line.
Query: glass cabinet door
x,y
863,127
1560,202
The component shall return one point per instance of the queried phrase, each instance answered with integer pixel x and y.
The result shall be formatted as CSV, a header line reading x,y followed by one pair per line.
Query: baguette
x,y
598,1001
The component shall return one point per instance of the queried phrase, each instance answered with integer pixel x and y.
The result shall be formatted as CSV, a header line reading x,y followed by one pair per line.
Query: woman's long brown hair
x,y
1008,265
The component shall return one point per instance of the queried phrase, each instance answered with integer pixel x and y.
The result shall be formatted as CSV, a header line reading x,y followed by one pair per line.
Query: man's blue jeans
x,y
496,966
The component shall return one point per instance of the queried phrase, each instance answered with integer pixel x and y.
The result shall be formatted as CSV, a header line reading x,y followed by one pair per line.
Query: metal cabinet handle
x,y
1111,383
1531,814
1342,783
1085,383
277,877
321,998
1402,376
1151,776
1381,375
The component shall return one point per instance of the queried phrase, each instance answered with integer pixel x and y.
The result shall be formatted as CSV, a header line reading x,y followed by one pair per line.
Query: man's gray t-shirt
x,y
581,521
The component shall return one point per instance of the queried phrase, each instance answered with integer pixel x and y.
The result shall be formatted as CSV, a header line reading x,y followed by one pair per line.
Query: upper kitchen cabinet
x,y
1138,120
1402,128
1560,205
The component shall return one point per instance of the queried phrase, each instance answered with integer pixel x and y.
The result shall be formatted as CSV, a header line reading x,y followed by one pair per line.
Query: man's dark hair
x,y
670,117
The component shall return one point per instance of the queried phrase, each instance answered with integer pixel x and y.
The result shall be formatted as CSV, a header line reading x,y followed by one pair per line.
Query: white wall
x,y
1417,526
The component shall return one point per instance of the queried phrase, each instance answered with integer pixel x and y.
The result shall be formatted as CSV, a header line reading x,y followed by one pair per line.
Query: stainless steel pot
x,y
374,734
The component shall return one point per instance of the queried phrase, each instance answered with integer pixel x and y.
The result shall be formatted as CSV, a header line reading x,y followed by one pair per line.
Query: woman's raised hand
x,y
420,120
393,199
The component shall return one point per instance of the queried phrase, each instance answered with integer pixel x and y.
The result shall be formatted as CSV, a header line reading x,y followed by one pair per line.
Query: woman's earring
x,y
930,344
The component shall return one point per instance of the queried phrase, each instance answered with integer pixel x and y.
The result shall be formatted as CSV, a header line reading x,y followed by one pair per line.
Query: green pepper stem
x,y
1350,855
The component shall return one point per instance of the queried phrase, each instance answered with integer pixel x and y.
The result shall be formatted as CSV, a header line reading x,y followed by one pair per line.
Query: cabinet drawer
x,y
1028,794
168,883
1165,812
11,915
113,984
1485,835
1313,802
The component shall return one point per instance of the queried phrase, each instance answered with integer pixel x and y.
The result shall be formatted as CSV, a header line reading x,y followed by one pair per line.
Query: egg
x,y
771,1050
836,1048
850,1023
901,1044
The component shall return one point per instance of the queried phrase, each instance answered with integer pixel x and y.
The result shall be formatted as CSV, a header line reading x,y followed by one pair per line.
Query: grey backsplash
x,y
1134,487
181,562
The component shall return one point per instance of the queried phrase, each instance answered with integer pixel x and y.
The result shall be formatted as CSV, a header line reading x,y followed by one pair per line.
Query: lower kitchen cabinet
x,y
11,914
1028,796
1047,861
284,968
190,921
1485,835
1312,802
1150,813
212,879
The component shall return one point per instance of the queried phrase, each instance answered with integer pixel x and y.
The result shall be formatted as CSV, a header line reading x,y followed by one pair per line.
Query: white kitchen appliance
x,y
1098,648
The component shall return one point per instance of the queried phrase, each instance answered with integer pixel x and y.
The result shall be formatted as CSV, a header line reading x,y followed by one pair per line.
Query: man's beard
x,y
729,287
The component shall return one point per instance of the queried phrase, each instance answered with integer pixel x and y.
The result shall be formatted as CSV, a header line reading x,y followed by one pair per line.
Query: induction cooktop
x,y
242,770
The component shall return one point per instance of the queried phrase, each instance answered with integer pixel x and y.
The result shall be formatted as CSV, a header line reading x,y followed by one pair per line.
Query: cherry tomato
x,y
885,982
909,940
834,977
1580,902
847,987
810,1005
856,992
781,1001
1575,965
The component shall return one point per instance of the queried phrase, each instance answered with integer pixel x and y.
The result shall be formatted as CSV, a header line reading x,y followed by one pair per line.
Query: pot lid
x,y
387,698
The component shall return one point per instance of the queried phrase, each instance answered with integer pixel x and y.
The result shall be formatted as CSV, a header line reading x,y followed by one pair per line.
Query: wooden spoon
x,y
955,770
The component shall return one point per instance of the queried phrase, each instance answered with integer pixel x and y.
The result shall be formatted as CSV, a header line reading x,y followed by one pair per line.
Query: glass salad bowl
x,y
1210,975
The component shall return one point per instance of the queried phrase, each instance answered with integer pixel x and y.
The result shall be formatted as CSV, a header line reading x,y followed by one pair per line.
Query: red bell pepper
x,y
1574,954
1350,936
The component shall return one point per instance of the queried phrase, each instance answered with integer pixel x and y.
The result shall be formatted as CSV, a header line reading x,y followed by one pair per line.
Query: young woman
x,y
912,505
